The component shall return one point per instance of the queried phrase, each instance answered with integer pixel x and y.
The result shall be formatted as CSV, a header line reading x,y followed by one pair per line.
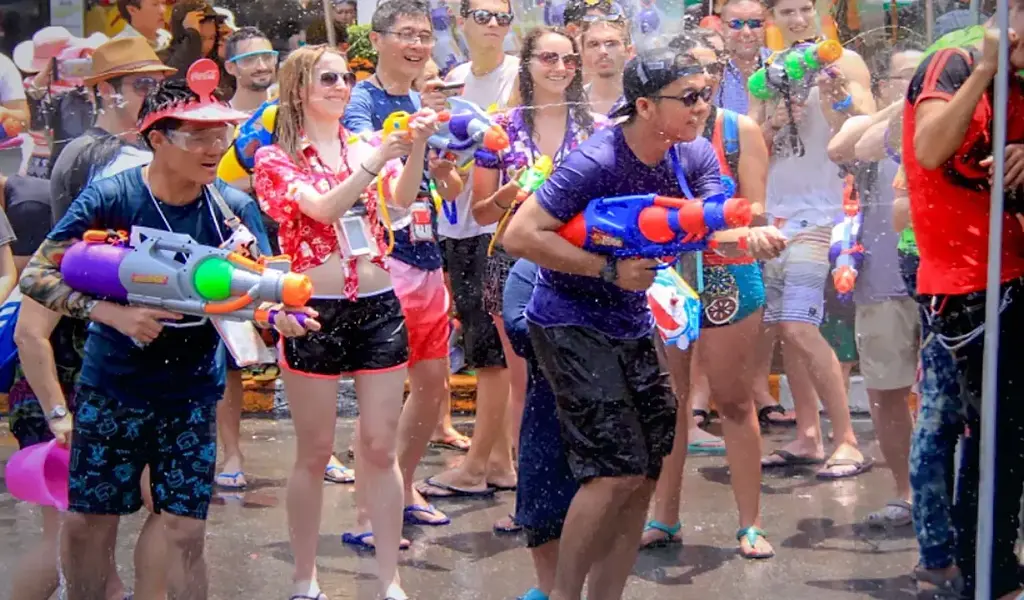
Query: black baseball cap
x,y
649,72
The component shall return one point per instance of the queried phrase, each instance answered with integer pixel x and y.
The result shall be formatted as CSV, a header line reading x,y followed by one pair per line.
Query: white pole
x,y
332,39
976,11
929,19
990,381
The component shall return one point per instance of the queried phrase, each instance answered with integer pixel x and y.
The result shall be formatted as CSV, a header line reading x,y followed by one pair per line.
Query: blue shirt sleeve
x,y
702,169
85,213
518,290
359,112
573,184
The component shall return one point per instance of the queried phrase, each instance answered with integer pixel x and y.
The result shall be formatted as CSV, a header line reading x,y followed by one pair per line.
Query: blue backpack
x,y
8,350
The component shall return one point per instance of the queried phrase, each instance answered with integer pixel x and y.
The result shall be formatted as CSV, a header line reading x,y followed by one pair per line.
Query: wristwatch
x,y
90,305
59,412
610,271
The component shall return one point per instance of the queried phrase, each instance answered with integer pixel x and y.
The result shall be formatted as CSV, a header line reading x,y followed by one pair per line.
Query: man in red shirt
x,y
947,155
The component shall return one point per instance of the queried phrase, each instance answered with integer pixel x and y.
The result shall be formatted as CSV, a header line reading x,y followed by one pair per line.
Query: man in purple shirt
x,y
589,321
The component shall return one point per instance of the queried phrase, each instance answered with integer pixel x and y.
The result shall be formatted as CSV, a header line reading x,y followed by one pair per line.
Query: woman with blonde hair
x,y
320,184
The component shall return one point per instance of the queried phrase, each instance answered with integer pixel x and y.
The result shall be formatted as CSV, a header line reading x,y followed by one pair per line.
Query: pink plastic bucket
x,y
39,474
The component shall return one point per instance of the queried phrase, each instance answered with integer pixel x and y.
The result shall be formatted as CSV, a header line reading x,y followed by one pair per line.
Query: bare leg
x,y
728,361
808,442
186,563
607,578
35,574
762,365
545,563
229,424
595,521
150,552
699,389
890,414
314,420
86,552
669,489
516,396
428,380
380,479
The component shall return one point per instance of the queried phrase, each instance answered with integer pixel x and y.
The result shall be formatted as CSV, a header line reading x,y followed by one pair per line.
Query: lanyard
x,y
209,205
677,166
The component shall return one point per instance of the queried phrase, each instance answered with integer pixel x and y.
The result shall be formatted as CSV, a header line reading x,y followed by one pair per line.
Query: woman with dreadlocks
x,y
554,119
316,183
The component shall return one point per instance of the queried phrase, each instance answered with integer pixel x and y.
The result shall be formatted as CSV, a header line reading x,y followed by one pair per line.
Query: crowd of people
x,y
582,409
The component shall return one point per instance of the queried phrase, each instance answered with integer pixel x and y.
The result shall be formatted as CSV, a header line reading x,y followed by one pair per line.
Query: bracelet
x,y
844,104
368,171
498,204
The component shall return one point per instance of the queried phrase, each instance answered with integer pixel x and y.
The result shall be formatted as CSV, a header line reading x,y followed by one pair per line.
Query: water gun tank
x,y
258,131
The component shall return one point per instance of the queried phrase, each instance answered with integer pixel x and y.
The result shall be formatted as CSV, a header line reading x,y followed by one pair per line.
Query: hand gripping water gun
x,y
676,309
467,129
846,253
652,226
211,282
237,163
529,182
792,72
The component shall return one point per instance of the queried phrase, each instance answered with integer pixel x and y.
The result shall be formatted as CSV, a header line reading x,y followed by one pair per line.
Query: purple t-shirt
x,y
604,166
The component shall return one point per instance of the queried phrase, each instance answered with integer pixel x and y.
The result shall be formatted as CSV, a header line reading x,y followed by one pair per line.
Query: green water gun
x,y
531,179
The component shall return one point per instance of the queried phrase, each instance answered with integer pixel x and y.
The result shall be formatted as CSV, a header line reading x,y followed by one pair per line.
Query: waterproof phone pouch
x,y
244,342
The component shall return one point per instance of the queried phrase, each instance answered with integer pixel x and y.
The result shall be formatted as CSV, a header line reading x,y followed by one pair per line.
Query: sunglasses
x,y
690,97
550,59
482,16
251,59
602,18
331,78
737,24
144,85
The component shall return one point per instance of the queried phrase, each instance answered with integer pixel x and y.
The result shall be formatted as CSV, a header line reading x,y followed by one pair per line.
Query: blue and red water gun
x,y
258,131
845,250
463,130
653,226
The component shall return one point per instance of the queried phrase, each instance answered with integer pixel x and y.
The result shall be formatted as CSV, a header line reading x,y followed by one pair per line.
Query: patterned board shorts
x,y
795,281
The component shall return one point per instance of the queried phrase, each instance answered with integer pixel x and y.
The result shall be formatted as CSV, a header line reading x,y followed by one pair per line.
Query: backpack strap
x,y
731,140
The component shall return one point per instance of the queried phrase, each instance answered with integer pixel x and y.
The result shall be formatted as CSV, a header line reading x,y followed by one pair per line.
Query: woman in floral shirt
x,y
317,184
554,119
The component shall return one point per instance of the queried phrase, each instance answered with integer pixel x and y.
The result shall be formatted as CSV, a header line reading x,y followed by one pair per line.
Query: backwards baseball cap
x,y
649,72
202,78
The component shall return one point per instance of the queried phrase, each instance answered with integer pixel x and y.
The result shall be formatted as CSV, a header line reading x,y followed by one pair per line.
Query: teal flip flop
x,y
671,532
752,534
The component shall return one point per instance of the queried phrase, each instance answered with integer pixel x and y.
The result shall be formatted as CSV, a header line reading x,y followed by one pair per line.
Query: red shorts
x,y
425,303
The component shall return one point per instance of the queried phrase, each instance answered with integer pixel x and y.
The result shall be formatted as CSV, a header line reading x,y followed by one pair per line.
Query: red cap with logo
x,y
202,78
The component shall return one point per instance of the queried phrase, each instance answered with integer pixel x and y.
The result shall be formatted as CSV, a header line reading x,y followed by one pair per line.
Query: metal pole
x,y
929,19
329,21
989,382
976,11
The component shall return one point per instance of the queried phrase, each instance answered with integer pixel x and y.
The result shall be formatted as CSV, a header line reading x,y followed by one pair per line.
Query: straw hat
x,y
31,56
125,56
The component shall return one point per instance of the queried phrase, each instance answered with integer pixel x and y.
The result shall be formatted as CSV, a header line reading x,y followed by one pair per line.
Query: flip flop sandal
x,y
453,492
939,587
671,532
790,460
533,594
702,418
860,467
706,448
895,514
751,534
512,528
339,474
359,542
502,488
410,516
320,596
452,443
234,477
766,421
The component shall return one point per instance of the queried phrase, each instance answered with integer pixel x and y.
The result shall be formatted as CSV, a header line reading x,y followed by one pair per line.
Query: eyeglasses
x,y
603,18
690,97
411,37
331,78
252,59
550,59
218,139
144,85
737,24
608,45
483,17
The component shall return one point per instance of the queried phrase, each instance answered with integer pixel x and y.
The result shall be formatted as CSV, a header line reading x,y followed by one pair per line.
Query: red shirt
x,y
307,241
949,205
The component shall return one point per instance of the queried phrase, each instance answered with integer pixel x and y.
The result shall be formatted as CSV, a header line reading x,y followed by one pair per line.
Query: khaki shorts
x,y
888,340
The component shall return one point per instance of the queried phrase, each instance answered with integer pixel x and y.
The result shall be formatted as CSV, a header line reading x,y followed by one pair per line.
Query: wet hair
x,y
115,82
294,79
579,108
694,39
390,10
245,33
168,93
465,6
122,9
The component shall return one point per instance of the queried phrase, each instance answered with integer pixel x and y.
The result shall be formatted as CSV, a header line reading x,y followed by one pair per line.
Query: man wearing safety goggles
x,y
147,393
252,60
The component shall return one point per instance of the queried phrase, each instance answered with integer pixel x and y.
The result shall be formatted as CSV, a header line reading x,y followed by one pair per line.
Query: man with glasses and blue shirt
x,y
744,31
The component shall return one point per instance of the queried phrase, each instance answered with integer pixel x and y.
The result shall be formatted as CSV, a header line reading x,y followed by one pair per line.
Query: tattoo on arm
x,y
43,282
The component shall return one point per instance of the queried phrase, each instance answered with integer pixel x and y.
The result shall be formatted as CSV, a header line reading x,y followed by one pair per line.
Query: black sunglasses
x,y
738,24
483,17
550,59
330,78
144,85
690,97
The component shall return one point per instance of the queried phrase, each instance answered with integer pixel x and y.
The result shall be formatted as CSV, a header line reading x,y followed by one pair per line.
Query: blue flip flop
x,y
344,474
359,542
409,516
706,448
233,476
533,594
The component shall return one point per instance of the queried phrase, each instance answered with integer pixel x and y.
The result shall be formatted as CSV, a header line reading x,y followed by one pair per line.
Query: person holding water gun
x,y
589,316
553,120
732,299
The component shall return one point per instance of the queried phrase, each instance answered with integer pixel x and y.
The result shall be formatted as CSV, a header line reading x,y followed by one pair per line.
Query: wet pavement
x,y
823,551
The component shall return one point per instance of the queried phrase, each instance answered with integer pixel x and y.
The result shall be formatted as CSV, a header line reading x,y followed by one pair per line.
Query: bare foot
x,y
804,452
759,549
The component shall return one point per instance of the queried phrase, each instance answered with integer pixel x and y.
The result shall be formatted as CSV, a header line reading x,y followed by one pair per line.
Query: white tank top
x,y
805,188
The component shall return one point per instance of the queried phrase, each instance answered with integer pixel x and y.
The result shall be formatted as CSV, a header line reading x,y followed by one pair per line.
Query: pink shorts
x,y
425,303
